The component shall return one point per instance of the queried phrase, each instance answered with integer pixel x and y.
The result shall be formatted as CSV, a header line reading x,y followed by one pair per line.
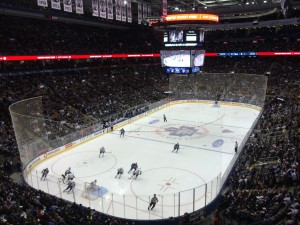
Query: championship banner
x,y
124,17
79,6
95,7
145,8
55,4
43,3
129,12
149,11
164,8
118,9
110,12
68,5
102,8
140,13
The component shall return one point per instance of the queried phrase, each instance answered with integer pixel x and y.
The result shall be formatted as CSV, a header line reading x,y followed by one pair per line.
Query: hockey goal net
x,y
91,191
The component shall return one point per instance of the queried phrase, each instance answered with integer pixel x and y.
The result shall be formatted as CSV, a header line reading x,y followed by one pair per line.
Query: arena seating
x,y
257,190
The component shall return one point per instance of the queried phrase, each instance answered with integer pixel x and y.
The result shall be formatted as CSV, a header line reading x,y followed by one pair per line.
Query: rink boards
x,y
184,181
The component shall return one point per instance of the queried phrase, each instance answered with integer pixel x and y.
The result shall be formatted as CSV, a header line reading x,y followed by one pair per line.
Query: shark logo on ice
x,y
181,131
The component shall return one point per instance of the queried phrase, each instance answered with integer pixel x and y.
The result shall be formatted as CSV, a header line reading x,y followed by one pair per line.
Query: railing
x,y
128,206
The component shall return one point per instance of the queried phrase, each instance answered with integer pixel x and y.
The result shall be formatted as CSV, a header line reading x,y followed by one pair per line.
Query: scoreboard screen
x,y
197,57
176,58
183,38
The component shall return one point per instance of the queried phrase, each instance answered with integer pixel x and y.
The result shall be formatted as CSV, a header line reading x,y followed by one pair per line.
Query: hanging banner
x,y
79,6
124,17
102,8
140,13
95,7
110,11
118,9
149,11
55,4
68,5
129,13
145,8
43,3
164,8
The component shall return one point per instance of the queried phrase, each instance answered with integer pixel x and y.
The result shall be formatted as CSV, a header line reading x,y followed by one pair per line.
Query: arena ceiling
x,y
216,6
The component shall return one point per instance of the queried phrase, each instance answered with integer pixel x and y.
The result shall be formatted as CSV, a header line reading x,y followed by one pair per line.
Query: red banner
x,y
105,56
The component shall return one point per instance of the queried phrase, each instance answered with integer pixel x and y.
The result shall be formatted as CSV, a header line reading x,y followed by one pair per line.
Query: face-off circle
x,y
181,131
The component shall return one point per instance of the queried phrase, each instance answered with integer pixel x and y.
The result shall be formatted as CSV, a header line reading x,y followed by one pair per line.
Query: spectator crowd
x,y
262,187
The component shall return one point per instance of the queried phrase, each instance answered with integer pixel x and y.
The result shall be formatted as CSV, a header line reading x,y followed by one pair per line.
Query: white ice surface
x,y
149,141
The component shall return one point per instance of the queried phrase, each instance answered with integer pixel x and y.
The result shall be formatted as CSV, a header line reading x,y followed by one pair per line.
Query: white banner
x,y
110,11
43,3
124,17
140,13
79,6
145,7
129,13
164,8
102,8
149,11
55,4
118,9
95,7
68,5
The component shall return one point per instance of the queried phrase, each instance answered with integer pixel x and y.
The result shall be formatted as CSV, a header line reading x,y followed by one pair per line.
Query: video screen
x,y
197,57
176,58
176,36
166,38
191,36
201,36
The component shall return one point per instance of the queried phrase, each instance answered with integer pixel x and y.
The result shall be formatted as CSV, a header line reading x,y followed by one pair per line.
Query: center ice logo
x,y
182,131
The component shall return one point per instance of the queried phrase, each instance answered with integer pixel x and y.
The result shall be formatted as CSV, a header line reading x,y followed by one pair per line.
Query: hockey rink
x,y
206,135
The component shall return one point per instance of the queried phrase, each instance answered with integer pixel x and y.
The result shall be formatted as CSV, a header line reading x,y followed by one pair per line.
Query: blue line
x,y
165,142
206,123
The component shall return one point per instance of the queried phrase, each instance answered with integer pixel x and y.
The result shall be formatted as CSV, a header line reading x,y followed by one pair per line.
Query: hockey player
x,y
122,132
136,173
68,171
64,176
176,147
102,151
93,185
44,173
133,167
165,118
70,177
70,186
153,202
236,147
119,172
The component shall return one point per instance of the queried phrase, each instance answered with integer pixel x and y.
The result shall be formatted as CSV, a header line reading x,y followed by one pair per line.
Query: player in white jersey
x,y
136,173
119,172
93,185
133,167
70,177
65,176
102,151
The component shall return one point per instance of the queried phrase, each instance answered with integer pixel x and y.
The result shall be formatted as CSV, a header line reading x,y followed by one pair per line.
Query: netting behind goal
x,y
242,88
91,191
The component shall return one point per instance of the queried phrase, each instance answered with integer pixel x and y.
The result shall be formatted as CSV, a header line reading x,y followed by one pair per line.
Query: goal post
x,y
91,191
